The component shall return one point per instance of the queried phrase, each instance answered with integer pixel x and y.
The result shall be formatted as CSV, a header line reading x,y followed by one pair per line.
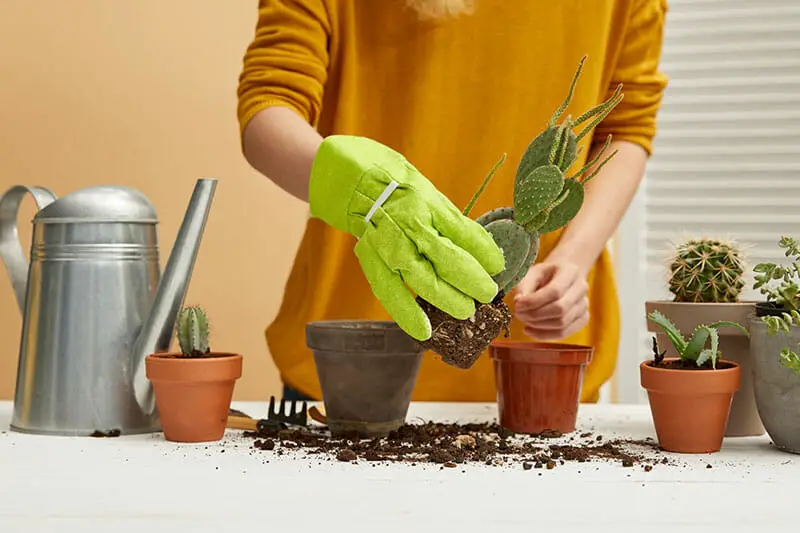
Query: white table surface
x,y
145,484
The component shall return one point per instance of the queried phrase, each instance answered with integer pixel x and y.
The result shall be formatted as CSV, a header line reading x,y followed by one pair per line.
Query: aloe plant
x,y
693,348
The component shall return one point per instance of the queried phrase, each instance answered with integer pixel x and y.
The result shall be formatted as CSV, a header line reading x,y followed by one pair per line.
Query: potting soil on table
x,y
450,445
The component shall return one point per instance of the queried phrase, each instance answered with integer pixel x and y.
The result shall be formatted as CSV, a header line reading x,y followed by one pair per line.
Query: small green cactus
x,y
545,199
706,270
694,348
193,331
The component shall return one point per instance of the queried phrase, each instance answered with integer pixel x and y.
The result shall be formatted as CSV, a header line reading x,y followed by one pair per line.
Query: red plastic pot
x,y
539,384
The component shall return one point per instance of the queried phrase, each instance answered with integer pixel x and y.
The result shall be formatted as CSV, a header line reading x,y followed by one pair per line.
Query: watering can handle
x,y
10,248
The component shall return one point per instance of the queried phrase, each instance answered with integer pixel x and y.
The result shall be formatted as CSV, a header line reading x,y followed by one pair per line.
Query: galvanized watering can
x,y
94,305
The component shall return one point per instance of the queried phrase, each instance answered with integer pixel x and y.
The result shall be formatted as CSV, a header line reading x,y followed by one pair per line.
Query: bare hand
x,y
551,301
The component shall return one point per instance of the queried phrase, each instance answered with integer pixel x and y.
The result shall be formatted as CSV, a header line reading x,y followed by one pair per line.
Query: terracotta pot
x,y
776,386
744,420
539,384
690,408
367,371
193,395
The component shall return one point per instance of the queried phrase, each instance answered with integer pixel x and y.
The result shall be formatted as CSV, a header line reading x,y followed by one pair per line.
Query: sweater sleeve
x,y
637,68
286,63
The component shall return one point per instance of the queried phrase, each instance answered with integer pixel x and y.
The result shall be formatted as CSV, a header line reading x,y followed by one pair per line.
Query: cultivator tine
x,y
292,412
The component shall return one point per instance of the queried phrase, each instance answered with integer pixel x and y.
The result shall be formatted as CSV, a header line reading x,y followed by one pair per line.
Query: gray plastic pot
x,y
367,371
744,420
777,388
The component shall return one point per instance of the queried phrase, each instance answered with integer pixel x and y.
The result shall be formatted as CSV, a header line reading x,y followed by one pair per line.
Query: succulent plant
x,y
694,348
707,270
192,331
787,293
784,322
544,198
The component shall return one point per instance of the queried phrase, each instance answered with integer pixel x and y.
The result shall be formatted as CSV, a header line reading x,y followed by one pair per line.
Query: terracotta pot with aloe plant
x,y
193,387
690,395
706,278
775,337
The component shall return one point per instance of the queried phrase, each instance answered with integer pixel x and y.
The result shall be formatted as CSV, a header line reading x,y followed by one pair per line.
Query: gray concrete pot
x,y
367,370
744,420
777,388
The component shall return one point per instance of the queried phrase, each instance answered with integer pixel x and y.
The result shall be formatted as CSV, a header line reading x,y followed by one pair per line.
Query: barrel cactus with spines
x,y
707,270
193,331
544,200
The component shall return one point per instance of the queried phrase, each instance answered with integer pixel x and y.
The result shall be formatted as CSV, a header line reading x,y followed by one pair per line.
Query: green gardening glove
x,y
410,236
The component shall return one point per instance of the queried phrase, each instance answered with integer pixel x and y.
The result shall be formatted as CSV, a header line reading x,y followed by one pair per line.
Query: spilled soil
x,y
461,342
451,445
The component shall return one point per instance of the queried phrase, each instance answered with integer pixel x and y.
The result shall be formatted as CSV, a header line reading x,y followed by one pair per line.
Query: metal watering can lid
x,y
104,203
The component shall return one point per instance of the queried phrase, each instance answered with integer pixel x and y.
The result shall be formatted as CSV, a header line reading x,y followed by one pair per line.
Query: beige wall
x,y
142,93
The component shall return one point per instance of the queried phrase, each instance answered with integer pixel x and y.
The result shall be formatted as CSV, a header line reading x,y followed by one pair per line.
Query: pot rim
x,y
542,346
541,353
353,325
164,369
178,356
646,365
741,303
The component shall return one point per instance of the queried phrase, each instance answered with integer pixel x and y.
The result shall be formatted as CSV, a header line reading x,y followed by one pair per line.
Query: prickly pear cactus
x,y
545,199
193,331
706,270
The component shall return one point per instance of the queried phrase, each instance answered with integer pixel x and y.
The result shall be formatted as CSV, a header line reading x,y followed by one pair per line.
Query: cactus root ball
x,y
461,342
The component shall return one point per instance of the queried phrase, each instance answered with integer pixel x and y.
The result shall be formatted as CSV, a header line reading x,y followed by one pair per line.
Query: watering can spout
x,y
159,325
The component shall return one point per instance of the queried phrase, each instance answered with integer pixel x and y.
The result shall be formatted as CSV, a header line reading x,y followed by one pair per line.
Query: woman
x,y
335,90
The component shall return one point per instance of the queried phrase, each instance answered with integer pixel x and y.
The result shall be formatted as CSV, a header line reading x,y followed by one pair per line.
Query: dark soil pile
x,y
461,342
450,445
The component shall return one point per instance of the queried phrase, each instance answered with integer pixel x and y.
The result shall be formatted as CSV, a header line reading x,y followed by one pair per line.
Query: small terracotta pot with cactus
x,y
706,278
193,387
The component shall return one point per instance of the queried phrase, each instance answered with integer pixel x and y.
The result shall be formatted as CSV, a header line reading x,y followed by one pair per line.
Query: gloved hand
x,y
408,232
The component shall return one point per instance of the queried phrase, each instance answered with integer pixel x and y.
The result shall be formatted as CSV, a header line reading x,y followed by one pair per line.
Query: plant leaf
x,y
515,244
566,210
726,323
696,343
495,214
535,191
670,330
704,356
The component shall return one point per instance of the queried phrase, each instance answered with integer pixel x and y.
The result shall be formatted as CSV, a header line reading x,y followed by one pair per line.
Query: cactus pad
x,y
537,154
534,192
706,270
515,243
533,252
501,213
567,209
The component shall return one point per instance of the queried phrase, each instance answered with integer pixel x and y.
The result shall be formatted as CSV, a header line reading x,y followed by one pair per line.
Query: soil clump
x,y
461,342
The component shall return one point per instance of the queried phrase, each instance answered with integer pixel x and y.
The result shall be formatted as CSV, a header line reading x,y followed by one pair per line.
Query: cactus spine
x,y
706,270
193,331
544,199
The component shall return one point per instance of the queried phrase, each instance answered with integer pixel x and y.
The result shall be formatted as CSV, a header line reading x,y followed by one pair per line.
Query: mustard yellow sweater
x,y
452,96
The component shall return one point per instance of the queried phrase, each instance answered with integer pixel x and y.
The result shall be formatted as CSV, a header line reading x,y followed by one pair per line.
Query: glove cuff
x,y
335,174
